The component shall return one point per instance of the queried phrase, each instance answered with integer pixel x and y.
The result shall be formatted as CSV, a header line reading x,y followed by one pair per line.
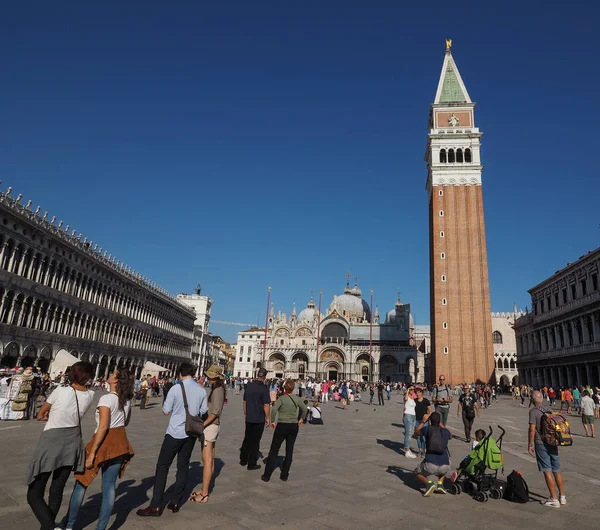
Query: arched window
x,y
506,364
442,156
497,337
364,371
459,155
468,156
451,158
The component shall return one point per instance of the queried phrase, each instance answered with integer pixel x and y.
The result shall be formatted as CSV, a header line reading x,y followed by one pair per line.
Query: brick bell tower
x,y
461,323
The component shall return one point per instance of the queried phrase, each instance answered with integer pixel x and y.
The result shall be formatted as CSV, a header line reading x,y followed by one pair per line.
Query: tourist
x,y
324,392
576,400
315,416
380,388
569,400
437,459
287,415
442,397
176,441
212,425
546,455
273,391
256,415
470,409
422,413
596,398
344,395
551,396
388,391
587,413
109,449
60,448
371,394
409,421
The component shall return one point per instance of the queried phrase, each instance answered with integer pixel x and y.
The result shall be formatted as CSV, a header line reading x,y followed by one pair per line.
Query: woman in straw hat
x,y
216,400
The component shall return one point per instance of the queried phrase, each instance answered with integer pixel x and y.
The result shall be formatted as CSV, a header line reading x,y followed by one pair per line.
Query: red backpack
x,y
554,429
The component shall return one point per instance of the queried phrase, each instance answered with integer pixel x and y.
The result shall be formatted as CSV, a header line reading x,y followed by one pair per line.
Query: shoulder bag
x,y
194,426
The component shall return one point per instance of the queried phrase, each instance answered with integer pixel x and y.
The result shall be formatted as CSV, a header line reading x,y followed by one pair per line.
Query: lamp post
x,y
371,338
264,352
318,329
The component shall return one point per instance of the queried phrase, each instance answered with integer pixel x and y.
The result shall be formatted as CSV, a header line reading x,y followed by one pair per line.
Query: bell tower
x,y
461,323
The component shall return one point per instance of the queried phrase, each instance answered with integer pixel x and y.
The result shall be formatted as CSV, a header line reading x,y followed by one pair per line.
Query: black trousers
x,y
468,423
287,432
46,513
171,447
251,443
380,398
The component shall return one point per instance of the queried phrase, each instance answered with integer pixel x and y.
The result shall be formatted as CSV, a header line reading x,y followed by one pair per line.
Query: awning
x,y
153,369
63,360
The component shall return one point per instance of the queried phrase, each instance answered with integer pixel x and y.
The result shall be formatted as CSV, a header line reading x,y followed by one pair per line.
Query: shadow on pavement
x,y
394,446
407,476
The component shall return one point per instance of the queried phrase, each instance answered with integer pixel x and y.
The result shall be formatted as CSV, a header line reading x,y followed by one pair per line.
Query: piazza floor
x,y
349,473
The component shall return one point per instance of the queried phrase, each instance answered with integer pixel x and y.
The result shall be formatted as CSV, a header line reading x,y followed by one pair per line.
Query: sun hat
x,y
214,372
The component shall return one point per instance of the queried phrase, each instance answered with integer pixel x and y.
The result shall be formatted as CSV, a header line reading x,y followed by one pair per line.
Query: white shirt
x,y
410,407
118,417
315,412
63,412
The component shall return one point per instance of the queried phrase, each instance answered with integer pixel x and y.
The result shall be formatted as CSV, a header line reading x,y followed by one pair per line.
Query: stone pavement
x,y
349,473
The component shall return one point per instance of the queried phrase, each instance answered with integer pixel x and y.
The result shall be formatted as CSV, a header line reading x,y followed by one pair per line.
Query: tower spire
x,y
451,88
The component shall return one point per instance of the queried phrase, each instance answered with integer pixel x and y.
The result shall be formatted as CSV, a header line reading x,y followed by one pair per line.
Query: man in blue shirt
x,y
437,459
176,441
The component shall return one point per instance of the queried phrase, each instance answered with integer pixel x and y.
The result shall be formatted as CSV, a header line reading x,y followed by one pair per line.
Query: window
x,y
303,342
555,299
451,156
497,337
442,156
443,301
241,359
248,359
573,292
246,374
442,233
564,295
468,155
441,213
583,287
443,256
443,277
441,193
548,306
446,350
241,350
594,282
239,374
445,325
459,155
249,350
281,342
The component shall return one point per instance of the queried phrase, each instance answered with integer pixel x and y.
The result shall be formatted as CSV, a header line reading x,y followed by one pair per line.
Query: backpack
x,y
516,488
469,409
554,429
434,441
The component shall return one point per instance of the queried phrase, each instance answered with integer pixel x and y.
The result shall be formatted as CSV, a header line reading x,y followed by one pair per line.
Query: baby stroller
x,y
478,472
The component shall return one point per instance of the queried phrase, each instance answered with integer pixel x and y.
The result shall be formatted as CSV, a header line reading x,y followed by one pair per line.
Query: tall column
x,y
588,374
554,376
578,374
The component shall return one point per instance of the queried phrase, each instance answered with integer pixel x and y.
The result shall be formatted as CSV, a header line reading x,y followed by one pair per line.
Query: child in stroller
x,y
477,474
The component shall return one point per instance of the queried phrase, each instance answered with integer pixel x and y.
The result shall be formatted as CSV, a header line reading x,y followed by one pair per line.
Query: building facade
x,y
461,327
62,296
505,347
202,305
336,345
248,352
558,342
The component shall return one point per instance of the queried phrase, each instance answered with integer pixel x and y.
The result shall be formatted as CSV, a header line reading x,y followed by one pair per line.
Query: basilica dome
x,y
351,305
308,314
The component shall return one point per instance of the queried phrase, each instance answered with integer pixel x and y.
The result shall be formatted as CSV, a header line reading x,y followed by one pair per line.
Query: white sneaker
x,y
410,454
551,503
563,500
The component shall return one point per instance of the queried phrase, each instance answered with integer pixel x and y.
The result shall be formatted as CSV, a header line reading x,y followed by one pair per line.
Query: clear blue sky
x,y
245,144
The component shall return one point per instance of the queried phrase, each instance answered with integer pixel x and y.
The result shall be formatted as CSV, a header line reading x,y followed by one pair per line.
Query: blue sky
x,y
247,144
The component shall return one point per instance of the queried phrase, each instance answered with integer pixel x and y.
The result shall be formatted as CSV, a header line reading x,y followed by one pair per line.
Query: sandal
x,y
197,496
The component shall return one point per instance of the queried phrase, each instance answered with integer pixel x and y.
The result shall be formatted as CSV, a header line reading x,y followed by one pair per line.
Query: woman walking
x,y
212,425
60,448
109,449
285,420
410,419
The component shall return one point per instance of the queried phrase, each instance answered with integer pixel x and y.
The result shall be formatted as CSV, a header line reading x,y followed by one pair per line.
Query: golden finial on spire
x,y
448,44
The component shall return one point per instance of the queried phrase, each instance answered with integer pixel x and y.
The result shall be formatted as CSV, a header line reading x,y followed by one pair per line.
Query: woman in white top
x,y
109,448
60,448
410,418
315,414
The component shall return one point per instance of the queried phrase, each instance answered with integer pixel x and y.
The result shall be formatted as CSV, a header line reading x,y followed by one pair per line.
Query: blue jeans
x,y
410,421
109,479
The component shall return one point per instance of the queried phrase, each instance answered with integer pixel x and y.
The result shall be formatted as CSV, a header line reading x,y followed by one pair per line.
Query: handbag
x,y
18,406
194,426
22,397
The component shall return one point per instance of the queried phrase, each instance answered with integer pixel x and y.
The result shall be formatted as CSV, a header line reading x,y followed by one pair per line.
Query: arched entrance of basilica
x,y
277,365
332,362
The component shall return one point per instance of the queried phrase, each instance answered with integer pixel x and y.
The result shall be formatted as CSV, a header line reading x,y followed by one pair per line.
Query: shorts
x,y
587,420
547,458
211,433
429,468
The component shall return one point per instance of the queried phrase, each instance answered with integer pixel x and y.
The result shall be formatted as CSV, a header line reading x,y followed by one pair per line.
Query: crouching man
x,y
437,459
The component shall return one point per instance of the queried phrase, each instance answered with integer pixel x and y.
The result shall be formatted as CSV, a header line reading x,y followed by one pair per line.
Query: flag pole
x,y
264,352
319,330
371,339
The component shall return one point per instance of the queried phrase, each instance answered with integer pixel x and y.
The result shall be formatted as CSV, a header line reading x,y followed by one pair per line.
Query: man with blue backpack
x,y
437,458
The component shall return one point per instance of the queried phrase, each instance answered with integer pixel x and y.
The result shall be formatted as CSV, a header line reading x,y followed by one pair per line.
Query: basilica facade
x,y
345,342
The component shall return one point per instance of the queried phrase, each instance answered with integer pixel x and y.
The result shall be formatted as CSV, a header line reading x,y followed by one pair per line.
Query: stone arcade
x,y
60,293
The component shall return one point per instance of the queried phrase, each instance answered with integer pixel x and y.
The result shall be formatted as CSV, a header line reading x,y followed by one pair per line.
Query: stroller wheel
x,y
480,496
456,489
468,487
486,496
495,494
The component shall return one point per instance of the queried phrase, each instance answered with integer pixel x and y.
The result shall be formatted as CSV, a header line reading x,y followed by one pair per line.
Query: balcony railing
x,y
562,352
565,308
